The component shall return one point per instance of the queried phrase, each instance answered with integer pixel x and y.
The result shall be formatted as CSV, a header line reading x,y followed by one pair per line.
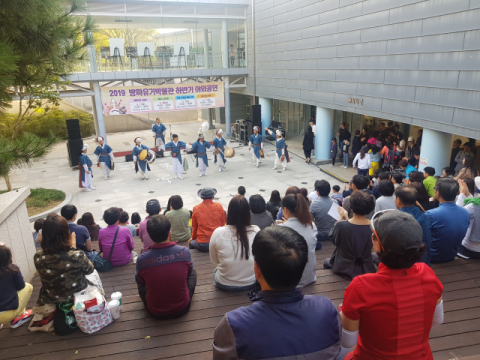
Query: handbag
x,y
101,264
64,322
42,319
91,310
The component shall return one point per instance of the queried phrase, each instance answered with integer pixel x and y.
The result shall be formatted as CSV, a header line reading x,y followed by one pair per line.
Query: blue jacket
x,y
280,325
427,234
449,224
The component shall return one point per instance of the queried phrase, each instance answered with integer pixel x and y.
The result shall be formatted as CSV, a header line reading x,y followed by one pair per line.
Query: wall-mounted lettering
x,y
355,101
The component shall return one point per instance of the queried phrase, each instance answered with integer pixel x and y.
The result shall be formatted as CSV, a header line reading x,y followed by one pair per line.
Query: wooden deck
x,y
190,337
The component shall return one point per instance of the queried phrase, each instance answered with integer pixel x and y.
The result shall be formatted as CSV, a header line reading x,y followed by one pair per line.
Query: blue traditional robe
x,y
102,153
280,146
159,130
201,149
256,144
220,144
85,160
143,164
175,149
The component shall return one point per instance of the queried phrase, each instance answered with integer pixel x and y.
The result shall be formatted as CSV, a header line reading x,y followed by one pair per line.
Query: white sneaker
x,y
93,188
176,176
109,175
220,169
332,165
106,178
201,175
146,177
284,169
180,178
205,174
274,168
87,189
257,165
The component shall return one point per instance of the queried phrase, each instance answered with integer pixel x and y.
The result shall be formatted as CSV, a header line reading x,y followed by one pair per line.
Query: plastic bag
x,y
91,310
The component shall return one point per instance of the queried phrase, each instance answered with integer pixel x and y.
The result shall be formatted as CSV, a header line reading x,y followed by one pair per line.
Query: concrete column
x,y
227,106
436,150
206,48
224,44
98,110
324,130
210,118
266,106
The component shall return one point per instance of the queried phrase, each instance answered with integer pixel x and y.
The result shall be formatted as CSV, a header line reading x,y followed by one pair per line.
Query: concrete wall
x,y
15,230
412,61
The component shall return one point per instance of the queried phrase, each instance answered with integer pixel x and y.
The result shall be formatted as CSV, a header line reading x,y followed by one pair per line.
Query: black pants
x,y
307,153
232,61
191,283
333,161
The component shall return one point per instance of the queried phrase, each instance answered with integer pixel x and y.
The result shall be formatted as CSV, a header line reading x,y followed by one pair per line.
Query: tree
x,y
131,36
21,152
7,67
42,41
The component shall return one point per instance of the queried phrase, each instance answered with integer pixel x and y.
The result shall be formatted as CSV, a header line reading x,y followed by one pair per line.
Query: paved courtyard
x,y
123,191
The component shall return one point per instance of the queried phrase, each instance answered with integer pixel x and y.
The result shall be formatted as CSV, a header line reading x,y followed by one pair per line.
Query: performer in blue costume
x,y
201,146
104,156
220,143
176,147
280,156
141,165
256,140
159,131
86,174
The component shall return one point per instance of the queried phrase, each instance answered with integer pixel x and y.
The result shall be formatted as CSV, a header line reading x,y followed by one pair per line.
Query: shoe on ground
x,y
176,176
220,169
205,174
86,189
146,177
180,178
274,168
284,169
106,178
201,175
332,165
463,256
22,319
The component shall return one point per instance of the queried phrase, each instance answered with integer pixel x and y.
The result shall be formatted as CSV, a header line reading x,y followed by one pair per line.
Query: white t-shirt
x,y
362,164
313,196
225,254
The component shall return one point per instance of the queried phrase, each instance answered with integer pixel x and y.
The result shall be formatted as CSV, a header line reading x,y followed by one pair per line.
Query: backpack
x,y
389,158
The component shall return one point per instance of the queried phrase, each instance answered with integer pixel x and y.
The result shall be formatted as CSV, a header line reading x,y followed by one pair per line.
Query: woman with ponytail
x,y
231,248
295,210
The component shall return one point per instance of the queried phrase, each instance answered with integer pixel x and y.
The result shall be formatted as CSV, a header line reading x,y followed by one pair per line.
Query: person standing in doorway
x,y
455,150
356,144
308,142
232,56
242,56
333,151
345,147
343,134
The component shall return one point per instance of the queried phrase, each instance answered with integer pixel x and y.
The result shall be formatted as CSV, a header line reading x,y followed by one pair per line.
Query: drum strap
x,y
103,154
201,153
256,144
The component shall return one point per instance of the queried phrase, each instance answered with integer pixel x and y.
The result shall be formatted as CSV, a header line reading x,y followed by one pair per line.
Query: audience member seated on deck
x,y
37,226
319,211
417,176
153,208
470,247
292,190
405,200
386,200
83,240
15,292
260,217
274,204
423,201
231,248
206,218
313,195
242,191
448,223
381,176
336,194
165,276
61,267
282,323
391,312
93,228
448,172
124,223
359,183
353,239
179,218
295,210
123,247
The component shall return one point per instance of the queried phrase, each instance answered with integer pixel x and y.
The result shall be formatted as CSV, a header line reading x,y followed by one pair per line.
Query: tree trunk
x,y
7,181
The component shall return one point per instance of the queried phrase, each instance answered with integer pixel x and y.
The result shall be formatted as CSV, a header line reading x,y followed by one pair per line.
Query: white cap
x,y
256,128
137,139
219,131
85,147
410,139
100,138
201,136
278,132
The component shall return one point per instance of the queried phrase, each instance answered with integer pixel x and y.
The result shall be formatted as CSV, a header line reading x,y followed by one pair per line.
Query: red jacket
x,y
206,217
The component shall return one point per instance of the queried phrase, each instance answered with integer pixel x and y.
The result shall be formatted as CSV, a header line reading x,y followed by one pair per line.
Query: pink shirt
x,y
122,252
142,232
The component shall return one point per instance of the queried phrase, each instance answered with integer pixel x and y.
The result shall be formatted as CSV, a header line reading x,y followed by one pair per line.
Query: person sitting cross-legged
x,y
206,217
165,276
388,315
282,323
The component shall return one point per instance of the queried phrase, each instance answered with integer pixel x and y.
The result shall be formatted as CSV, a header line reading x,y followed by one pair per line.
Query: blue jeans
x,y
230,288
91,254
363,172
319,239
345,159
203,247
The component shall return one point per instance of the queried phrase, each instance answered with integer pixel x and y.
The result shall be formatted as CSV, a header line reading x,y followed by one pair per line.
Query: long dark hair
x,y
468,162
6,266
88,220
422,194
298,206
309,133
55,235
362,153
239,217
275,197
470,184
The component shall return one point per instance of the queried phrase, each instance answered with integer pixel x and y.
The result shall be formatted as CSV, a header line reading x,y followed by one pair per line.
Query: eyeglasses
x,y
377,215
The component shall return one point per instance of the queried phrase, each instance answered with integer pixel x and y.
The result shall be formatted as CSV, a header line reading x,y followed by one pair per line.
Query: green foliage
x,y
50,41
42,197
7,67
53,122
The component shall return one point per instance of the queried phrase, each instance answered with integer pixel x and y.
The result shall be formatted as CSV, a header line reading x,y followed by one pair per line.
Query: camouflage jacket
x,y
62,275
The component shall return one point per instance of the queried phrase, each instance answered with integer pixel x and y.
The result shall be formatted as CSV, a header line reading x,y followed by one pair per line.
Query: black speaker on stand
x,y
257,116
74,143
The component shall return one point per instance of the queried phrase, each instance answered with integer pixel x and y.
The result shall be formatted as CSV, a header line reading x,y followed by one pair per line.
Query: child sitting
x,y
336,193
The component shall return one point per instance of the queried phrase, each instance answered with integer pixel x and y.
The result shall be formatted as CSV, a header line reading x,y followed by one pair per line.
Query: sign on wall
x,y
157,98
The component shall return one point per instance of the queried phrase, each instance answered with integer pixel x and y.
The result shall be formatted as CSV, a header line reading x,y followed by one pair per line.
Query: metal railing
x,y
159,61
